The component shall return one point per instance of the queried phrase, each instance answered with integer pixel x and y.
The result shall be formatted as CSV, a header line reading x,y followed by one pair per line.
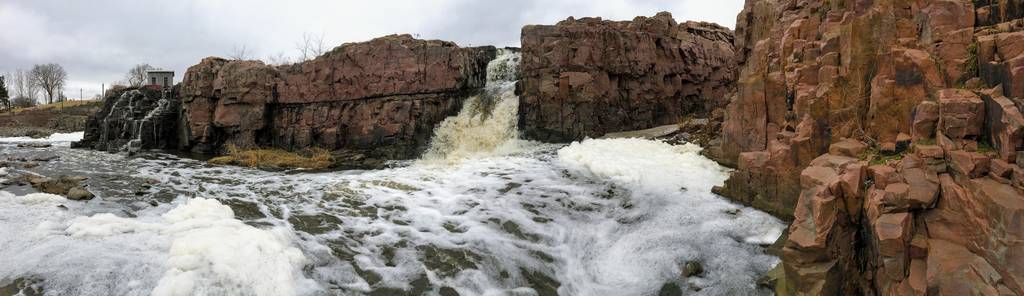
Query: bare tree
x,y
278,59
20,83
137,75
310,47
51,78
240,52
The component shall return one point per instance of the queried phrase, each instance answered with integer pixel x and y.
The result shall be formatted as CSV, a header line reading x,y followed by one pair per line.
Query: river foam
x,y
196,248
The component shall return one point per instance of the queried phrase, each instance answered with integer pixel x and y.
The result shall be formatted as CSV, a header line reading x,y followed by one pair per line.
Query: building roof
x,y
159,71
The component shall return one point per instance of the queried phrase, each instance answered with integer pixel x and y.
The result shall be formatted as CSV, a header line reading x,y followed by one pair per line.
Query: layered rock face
x,y
386,94
890,132
588,77
134,119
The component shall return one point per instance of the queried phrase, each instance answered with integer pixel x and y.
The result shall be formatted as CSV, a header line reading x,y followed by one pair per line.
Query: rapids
x,y
482,213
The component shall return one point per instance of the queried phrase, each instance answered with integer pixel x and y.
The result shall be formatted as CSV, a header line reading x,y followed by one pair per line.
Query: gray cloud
x,y
97,41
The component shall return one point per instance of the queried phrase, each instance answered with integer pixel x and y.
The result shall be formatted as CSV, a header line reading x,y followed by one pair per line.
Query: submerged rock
x,y
79,193
693,268
34,145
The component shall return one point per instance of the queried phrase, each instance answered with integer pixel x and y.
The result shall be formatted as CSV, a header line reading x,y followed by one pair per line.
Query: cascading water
x,y
487,123
483,213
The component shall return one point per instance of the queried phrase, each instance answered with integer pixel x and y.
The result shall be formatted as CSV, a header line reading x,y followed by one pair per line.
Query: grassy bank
x,y
43,120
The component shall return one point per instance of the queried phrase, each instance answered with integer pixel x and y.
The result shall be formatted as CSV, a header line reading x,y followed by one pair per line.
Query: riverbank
x,y
45,120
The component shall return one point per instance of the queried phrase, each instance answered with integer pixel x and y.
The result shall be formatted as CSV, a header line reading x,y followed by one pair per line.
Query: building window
x,y
166,82
152,80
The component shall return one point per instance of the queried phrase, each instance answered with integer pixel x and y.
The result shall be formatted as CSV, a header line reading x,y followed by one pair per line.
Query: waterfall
x,y
487,123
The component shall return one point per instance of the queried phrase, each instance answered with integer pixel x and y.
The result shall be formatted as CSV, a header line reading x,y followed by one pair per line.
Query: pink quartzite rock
x,y
587,77
384,95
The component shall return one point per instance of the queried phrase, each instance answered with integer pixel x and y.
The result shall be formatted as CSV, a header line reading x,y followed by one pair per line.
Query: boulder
x,y
1005,124
79,193
968,164
954,270
63,185
847,147
961,113
926,116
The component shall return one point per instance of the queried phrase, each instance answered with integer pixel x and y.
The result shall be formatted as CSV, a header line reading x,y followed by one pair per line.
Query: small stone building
x,y
161,78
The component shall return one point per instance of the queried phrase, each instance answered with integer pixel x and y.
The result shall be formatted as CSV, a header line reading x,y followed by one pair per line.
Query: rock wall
x,y
132,119
890,132
384,95
588,77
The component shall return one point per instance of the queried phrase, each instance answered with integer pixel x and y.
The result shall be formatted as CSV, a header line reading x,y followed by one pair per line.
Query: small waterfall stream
x,y
487,123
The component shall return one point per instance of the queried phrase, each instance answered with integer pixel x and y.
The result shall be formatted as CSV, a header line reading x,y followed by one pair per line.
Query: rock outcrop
x,y
385,94
588,77
890,133
133,119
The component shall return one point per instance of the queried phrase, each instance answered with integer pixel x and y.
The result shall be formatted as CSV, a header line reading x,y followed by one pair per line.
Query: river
x,y
482,213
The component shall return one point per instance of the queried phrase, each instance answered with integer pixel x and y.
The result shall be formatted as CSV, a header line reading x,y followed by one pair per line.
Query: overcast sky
x,y
97,41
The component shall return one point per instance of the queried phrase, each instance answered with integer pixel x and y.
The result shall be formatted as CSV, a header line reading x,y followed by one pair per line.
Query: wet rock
x,y
313,224
692,269
79,193
45,158
59,186
447,263
448,291
34,145
670,289
588,77
541,283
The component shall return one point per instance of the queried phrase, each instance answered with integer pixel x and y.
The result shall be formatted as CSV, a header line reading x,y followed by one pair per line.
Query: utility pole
x,y
103,90
81,96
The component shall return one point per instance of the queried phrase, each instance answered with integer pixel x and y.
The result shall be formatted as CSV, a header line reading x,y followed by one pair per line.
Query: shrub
x,y
311,158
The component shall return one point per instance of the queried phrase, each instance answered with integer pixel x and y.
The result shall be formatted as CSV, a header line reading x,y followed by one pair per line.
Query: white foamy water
x,y
487,123
601,217
483,213
53,138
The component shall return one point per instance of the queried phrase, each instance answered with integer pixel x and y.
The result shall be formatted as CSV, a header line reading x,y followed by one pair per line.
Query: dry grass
x,y
54,106
312,158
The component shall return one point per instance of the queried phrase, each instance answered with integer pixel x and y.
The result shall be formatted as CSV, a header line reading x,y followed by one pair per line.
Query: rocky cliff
x,y
890,132
385,94
588,77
